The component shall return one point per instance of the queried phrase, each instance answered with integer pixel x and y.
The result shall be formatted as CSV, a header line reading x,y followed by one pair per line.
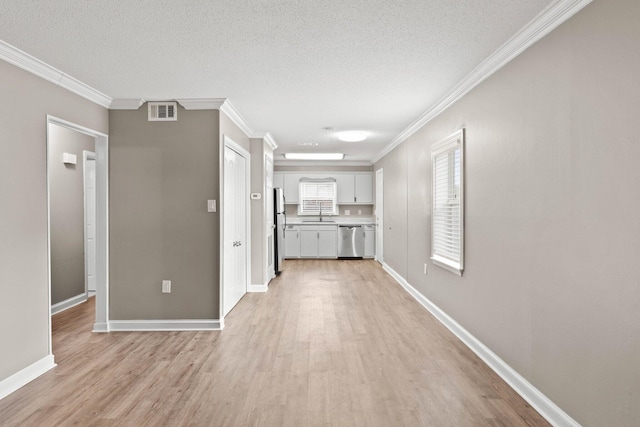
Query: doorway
x,y
89,174
236,248
380,216
101,215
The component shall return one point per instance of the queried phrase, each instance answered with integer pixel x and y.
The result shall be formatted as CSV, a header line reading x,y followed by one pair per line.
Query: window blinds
x,y
317,197
447,207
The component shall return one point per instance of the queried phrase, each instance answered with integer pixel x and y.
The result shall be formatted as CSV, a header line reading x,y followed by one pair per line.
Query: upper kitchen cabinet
x,y
355,188
291,188
346,188
364,188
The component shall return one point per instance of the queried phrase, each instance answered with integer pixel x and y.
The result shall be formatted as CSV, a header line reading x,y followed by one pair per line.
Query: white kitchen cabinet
x,y
291,188
346,188
318,241
363,188
292,241
369,241
355,188
328,243
308,242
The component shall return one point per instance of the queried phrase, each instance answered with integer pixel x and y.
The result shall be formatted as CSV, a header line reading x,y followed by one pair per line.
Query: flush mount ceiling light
x,y
308,144
314,156
352,136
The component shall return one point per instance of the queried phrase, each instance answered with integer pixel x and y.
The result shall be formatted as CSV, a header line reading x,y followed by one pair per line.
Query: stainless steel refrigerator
x,y
280,217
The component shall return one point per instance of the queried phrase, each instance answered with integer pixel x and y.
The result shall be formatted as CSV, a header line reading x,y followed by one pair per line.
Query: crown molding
x,y
201,103
546,21
126,104
236,118
270,141
23,60
267,137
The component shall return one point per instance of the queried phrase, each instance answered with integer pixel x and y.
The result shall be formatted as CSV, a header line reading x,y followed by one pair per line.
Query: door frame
x,y
86,156
229,143
379,213
269,202
101,323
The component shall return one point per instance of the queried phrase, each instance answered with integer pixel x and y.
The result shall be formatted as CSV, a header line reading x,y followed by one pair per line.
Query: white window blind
x,y
317,197
447,216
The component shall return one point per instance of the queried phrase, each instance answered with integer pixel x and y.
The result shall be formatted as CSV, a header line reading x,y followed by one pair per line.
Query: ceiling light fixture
x,y
313,156
308,144
352,136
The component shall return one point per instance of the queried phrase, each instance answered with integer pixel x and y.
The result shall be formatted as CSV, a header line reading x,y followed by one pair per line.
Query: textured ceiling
x,y
289,67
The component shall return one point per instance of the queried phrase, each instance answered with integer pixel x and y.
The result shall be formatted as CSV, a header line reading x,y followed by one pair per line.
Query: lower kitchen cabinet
x,y
369,241
318,241
292,241
328,243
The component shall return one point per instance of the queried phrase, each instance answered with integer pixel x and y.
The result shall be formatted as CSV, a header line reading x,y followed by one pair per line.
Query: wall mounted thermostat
x,y
256,196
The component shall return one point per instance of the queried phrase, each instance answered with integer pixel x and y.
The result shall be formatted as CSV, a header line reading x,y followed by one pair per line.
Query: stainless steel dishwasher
x,y
350,241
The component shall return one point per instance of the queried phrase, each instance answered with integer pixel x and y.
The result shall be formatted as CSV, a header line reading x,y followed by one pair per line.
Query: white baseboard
x,y
100,327
164,325
258,288
91,293
26,375
541,403
68,303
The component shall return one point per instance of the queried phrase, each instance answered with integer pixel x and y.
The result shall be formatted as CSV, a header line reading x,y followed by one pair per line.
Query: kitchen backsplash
x,y
354,211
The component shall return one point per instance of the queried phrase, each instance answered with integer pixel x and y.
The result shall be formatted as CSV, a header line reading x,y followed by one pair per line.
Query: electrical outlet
x,y
359,211
347,212
166,286
425,268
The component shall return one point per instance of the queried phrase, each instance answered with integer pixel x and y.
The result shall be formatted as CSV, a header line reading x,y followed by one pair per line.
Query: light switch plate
x,y
211,205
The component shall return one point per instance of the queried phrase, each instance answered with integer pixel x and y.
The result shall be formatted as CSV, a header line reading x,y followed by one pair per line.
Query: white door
x,y
379,216
90,221
234,228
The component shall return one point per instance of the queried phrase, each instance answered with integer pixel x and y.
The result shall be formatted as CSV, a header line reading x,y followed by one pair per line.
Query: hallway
x,y
331,343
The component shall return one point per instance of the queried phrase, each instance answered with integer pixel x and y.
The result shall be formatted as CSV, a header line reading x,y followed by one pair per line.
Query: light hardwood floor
x,y
332,343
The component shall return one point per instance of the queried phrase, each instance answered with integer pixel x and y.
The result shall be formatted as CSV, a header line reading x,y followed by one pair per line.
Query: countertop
x,y
332,221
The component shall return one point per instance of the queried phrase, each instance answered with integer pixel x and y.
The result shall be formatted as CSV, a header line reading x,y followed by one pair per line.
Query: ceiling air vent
x,y
163,112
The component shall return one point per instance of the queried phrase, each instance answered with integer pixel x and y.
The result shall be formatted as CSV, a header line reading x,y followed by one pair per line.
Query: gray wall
x,y
25,100
66,192
552,225
161,176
